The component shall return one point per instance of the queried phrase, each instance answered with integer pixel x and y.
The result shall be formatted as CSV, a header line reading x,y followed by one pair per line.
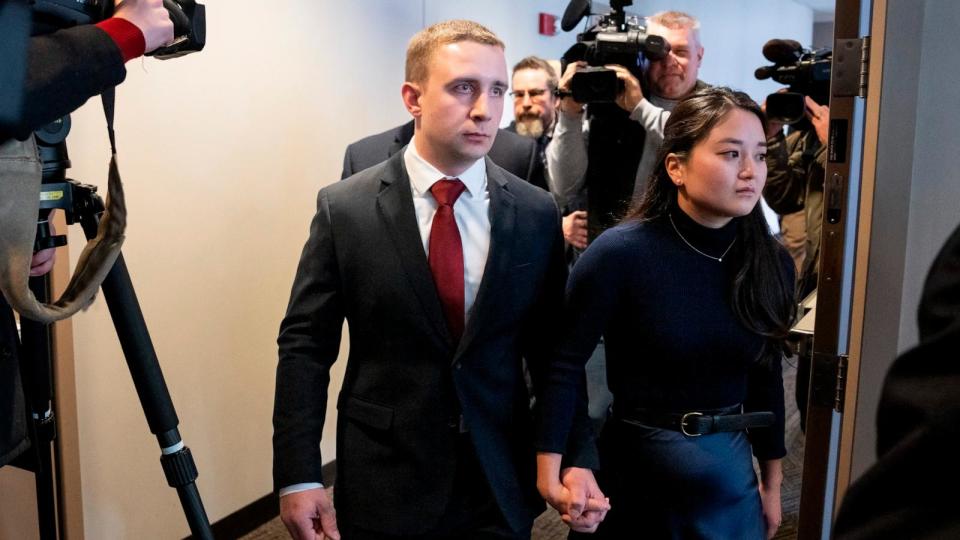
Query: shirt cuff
x,y
299,487
126,35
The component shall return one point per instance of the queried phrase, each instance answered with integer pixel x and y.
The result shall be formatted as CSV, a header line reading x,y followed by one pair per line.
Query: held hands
x,y
309,515
575,229
150,17
573,492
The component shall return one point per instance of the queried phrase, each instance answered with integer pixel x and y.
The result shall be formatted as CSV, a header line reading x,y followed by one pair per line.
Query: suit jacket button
x,y
458,365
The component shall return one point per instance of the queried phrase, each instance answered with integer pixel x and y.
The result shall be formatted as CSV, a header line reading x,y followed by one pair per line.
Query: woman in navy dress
x,y
694,298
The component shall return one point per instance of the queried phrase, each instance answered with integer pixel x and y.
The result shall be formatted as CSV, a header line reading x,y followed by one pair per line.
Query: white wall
x,y
917,195
935,186
222,153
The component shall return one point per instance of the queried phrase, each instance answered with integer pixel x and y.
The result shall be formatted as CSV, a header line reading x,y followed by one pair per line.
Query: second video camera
x,y
805,71
614,39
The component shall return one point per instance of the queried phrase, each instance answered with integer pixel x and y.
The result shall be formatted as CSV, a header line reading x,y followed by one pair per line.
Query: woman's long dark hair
x,y
762,292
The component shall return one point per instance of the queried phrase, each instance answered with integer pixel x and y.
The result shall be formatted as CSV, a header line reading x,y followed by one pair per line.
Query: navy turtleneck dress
x,y
661,299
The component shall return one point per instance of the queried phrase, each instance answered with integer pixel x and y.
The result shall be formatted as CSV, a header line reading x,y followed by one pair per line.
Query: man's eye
x,y
463,88
498,91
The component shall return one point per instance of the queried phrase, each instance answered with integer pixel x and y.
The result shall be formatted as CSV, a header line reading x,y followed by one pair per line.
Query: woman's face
x,y
723,175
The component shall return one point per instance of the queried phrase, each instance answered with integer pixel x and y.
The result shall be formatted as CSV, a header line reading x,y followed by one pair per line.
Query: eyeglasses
x,y
533,93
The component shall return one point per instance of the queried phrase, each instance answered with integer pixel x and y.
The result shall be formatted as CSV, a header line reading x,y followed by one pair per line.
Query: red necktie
x,y
446,254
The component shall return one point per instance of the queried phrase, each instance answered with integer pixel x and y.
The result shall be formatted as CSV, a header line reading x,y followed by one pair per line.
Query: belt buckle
x,y
683,424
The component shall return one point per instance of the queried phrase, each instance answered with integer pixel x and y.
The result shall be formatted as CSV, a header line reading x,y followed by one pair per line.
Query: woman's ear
x,y
675,168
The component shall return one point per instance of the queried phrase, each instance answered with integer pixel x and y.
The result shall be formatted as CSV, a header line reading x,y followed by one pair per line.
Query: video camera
x,y
614,39
188,17
805,71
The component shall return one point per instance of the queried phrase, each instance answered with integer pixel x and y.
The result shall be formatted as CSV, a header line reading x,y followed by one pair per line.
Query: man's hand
x,y
567,105
819,116
575,229
42,261
309,515
632,94
587,506
150,17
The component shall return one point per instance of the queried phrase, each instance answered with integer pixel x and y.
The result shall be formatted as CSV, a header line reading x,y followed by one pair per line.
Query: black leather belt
x,y
696,423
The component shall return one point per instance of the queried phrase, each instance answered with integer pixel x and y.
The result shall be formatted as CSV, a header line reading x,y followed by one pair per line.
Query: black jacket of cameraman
x,y
64,69
795,172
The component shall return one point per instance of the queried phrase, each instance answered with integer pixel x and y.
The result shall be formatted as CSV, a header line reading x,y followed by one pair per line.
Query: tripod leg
x,y
37,370
176,459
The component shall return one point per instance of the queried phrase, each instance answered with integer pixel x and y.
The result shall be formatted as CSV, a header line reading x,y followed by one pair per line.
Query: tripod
x,y
81,204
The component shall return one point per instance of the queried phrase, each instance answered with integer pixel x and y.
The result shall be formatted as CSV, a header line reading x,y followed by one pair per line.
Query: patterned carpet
x,y
549,527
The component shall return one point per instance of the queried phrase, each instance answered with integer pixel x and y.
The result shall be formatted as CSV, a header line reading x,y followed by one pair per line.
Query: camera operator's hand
x,y
150,17
575,229
567,104
819,116
42,261
631,95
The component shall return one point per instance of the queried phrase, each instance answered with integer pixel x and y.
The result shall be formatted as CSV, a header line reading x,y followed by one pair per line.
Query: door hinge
x,y
851,67
829,380
840,391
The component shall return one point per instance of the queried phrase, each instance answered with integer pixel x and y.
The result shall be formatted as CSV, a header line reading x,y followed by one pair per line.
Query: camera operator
x,y
794,189
795,165
669,80
64,69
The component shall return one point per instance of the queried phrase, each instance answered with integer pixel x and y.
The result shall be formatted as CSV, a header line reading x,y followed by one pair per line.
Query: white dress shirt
x,y
471,211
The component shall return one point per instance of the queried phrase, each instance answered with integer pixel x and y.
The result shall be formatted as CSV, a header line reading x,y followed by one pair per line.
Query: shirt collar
x,y
423,175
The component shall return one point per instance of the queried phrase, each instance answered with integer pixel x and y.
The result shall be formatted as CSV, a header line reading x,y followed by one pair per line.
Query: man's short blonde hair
x,y
426,42
677,20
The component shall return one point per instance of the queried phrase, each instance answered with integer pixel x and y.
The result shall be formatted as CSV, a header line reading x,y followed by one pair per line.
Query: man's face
x,y
674,76
458,108
534,107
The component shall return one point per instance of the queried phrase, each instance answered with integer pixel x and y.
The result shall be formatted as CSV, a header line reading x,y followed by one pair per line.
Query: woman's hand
x,y
771,476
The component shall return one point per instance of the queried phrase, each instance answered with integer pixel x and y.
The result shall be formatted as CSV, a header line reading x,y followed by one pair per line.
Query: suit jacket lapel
x,y
503,217
395,202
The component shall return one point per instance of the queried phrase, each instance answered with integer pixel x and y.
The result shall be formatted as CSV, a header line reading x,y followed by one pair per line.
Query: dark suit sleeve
x,y
580,448
592,294
309,343
64,69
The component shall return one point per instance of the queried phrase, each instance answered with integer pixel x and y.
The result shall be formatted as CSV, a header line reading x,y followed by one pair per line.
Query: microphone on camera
x,y
575,12
782,51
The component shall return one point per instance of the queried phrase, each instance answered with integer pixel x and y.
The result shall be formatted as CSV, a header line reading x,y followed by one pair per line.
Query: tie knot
x,y
446,192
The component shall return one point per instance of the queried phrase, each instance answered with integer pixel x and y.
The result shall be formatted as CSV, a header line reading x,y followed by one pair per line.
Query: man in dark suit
x,y
449,270
516,154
